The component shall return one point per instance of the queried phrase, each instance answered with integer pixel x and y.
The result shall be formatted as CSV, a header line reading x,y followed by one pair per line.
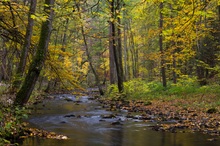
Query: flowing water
x,y
86,123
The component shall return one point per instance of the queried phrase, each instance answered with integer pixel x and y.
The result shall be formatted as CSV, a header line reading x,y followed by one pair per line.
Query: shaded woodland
x,y
63,45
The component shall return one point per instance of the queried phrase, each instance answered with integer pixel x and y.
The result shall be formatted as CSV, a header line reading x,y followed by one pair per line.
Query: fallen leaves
x,y
42,133
171,115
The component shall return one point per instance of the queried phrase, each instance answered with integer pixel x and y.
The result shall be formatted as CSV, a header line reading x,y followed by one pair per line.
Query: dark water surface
x,y
86,123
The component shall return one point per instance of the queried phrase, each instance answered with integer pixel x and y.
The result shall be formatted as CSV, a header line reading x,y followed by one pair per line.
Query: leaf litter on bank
x,y
34,132
177,115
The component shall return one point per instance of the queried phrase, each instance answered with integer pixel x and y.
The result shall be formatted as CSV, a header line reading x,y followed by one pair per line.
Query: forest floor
x,y
193,114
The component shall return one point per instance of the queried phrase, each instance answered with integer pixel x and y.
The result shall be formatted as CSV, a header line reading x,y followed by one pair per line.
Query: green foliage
x,y
209,89
136,88
156,87
141,89
112,90
185,85
10,122
3,88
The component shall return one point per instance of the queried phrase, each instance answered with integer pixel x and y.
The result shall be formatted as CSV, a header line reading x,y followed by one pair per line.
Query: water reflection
x,y
128,137
87,128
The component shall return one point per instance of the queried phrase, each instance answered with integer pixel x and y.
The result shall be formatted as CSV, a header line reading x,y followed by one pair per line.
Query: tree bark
x,y
119,50
112,67
134,53
163,70
90,63
174,69
36,66
218,11
26,46
64,38
3,64
89,57
116,52
126,77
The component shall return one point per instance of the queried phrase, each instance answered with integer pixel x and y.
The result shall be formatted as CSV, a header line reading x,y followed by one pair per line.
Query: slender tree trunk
x,y
112,67
126,77
89,57
218,11
3,74
65,35
163,70
172,44
26,46
134,55
50,85
36,65
174,69
114,44
90,62
119,50
130,58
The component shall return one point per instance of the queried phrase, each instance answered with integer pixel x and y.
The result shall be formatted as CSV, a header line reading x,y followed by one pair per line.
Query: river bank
x,y
95,122
176,115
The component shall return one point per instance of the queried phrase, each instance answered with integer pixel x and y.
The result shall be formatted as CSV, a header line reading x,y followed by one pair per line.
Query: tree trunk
x,y
218,9
27,43
119,50
3,65
134,55
126,77
90,62
114,46
65,35
172,44
111,56
36,65
89,57
163,70
174,69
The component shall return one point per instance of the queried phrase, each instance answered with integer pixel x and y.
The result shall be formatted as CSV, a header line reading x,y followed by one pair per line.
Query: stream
x,y
87,123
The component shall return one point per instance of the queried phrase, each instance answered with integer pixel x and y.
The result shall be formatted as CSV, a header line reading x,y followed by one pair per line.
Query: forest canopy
x,y
100,42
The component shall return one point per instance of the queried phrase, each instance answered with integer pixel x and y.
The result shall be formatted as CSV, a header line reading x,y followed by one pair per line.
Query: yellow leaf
x,y
33,17
111,19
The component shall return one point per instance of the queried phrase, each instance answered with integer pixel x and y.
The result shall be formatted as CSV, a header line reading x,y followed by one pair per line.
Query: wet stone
x,y
145,118
77,101
116,123
108,116
68,99
69,116
79,116
130,116
156,127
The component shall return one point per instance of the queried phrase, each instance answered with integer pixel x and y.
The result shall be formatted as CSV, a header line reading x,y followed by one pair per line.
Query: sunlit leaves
x,y
185,22
60,66
39,17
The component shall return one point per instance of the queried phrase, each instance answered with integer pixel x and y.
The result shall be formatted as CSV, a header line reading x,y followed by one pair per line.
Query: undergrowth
x,y
11,123
3,88
139,89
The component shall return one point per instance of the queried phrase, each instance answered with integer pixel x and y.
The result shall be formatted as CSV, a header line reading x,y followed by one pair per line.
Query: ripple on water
x,y
83,122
